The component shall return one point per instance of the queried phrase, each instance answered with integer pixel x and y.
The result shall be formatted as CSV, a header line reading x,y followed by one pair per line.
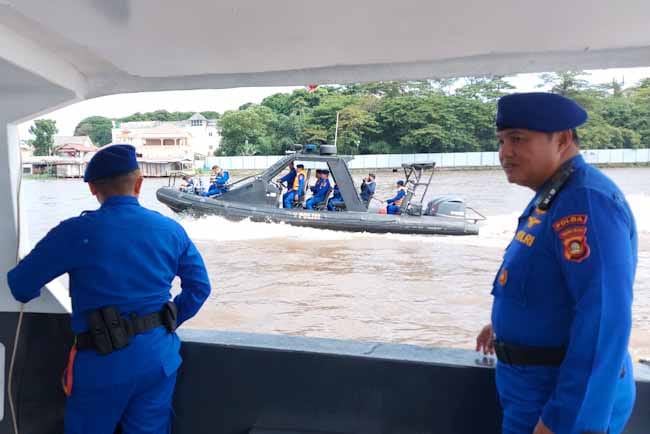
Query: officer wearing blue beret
x,y
562,309
121,260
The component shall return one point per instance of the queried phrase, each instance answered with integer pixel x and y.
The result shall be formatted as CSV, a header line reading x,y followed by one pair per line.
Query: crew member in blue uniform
x,y
562,308
121,260
219,181
368,187
289,177
320,190
296,189
394,203
188,186
335,199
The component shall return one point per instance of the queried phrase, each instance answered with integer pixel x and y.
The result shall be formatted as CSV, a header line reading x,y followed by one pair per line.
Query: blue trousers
x,y
313,201
140,407
392,209
525,390
213,191
330,204
288,198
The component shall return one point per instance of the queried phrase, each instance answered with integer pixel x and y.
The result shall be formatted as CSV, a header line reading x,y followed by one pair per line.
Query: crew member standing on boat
x,y
368,187
562,309
121,260
394,204
296,189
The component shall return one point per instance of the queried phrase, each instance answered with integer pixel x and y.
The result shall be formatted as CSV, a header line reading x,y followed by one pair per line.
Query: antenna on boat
x,y
336,130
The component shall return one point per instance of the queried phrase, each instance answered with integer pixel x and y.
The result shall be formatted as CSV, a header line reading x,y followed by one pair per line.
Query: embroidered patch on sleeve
x,y
574,240
570,220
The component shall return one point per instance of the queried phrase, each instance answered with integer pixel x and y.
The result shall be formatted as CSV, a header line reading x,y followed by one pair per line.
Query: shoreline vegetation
x,y
398,117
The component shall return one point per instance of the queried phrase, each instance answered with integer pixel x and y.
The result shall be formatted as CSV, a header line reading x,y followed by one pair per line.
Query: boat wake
x,y
495,232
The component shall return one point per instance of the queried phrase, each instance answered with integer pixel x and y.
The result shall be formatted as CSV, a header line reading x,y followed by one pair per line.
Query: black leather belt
x,y
521,355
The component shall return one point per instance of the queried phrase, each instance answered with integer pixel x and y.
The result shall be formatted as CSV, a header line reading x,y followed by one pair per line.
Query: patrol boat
x,y
53,54
259,198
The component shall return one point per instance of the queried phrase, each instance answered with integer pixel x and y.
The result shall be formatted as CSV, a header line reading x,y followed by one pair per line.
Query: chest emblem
x,y
533,221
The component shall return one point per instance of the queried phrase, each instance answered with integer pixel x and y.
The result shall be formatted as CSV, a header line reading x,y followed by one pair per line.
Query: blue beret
x,y
400,182
111,161
539,111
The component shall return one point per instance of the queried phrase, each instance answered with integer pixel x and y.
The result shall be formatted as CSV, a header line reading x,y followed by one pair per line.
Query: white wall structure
x,y
458,160
196,136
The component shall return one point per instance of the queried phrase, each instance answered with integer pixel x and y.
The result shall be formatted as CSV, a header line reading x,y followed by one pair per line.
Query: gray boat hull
x,y
351,221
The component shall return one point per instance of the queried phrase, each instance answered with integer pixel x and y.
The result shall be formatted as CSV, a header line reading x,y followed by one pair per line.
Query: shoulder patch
x,y
574,240
570,220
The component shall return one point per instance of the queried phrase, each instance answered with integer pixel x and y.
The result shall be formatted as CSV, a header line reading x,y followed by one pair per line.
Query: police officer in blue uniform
x,y
368,187
561,315
290,176
336,202
121,260
320,190
295,190
394,204
219,183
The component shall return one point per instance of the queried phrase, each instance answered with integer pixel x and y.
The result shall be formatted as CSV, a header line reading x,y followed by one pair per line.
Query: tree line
x,y
448,115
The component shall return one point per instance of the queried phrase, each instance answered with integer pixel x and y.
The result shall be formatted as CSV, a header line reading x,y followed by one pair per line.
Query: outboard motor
x,y
447,206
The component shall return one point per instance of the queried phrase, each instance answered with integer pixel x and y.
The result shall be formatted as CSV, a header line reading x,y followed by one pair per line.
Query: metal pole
x,y
336,130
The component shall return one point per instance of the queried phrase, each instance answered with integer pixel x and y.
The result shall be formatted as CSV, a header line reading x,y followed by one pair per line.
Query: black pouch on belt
x,y
116,327
169,316
99,332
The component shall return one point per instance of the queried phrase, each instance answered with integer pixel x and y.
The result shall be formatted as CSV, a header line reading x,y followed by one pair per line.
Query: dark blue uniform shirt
x,y
367,190
566,281
123,255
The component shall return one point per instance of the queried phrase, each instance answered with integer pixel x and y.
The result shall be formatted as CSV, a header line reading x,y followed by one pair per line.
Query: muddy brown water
x,y
424,290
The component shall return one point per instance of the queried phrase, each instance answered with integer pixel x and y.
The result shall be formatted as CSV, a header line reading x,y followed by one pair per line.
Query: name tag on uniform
x,y
525,238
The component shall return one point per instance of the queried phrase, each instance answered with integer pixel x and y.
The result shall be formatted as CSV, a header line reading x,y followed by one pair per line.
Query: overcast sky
x,y
220,100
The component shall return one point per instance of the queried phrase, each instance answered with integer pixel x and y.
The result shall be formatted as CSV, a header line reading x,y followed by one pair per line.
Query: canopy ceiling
x,y
102,47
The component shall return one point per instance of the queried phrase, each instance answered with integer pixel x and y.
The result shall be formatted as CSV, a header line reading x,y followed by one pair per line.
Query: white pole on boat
x,y
336,130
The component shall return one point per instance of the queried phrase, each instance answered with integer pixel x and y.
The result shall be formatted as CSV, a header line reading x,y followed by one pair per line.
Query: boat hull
x,y
343,221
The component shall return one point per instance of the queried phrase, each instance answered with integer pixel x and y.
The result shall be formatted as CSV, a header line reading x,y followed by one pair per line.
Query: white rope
x,y
10,378
12,408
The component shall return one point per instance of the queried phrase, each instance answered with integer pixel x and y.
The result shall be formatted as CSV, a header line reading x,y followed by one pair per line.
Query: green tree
x,y
98,128
43,131
565,83
484,88
279,103
244,132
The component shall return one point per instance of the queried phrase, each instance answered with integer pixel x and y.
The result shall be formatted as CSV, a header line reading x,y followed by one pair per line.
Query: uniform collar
x,y
120,200
578,162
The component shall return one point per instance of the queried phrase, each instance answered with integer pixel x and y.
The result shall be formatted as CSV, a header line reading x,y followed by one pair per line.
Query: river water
x,y
424,290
